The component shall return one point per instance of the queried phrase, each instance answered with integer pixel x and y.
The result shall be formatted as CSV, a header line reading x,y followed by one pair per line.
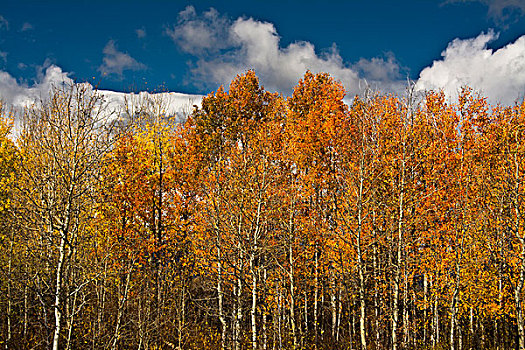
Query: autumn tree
x,y
315,128
62,143
510,150
145,222
231,133
263,222
10,256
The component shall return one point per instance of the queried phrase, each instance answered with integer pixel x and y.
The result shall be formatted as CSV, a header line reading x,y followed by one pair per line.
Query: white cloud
x,y
4,24
141,33
383,74
20,95
200,35
116,62
225,48
499,74
11,92
501,11
26,26
3,56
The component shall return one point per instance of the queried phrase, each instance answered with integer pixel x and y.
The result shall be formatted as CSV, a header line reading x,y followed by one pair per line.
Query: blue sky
x,y
193,47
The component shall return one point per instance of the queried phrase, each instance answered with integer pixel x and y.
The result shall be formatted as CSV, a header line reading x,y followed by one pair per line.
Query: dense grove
x,y
263,222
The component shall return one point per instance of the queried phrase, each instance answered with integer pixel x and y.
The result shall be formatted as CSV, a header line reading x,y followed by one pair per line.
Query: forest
x,y
263,222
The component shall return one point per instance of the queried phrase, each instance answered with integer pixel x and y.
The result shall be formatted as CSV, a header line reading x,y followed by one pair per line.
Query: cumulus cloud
x,y
4,24
501,11
497,74
26,26
20,95
141,33
224,48
200,35
116,62
16,96
505,10
384,72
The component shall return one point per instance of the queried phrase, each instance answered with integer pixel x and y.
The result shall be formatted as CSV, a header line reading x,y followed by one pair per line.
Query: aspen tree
x,y
62,142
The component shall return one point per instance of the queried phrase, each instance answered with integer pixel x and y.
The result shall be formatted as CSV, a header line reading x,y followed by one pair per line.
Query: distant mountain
x,y
170,103
17,95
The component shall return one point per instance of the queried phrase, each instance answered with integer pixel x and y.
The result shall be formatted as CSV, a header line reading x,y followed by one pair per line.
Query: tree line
x,y
263,222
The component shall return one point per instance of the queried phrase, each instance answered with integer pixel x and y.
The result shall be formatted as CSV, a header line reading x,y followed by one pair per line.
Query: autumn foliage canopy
x,y
264,222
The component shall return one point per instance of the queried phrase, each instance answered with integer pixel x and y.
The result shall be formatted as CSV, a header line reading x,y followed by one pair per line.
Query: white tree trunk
x,y
58,290
292,297
220,296
253,311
